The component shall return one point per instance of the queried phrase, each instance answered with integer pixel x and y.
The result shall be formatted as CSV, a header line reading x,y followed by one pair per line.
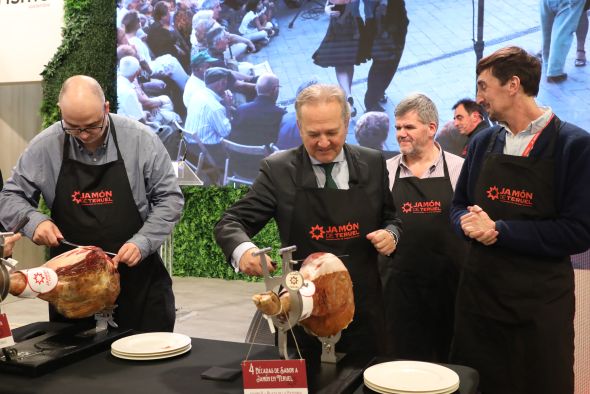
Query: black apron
x,y
515,311
420,281
337,221
108,217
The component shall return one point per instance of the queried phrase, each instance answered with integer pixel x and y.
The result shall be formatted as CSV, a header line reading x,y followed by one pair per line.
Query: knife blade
x,y
65,242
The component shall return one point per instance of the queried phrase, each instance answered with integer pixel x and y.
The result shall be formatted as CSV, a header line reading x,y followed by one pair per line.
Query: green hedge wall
x,y
195,250
89,47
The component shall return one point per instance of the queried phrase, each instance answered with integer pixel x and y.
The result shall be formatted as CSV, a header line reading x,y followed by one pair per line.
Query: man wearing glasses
x,y
109,182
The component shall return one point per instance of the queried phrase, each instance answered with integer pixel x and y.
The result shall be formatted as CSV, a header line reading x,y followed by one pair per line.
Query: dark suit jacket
x,y
257,122
273,195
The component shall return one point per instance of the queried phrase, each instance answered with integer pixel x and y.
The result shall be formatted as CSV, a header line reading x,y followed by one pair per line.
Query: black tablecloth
x,y
105,373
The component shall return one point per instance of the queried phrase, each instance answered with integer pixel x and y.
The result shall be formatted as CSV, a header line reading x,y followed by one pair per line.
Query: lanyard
x,y
531,144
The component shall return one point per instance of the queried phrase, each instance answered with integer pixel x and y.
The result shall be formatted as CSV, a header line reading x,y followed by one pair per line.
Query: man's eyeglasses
x,y
76,131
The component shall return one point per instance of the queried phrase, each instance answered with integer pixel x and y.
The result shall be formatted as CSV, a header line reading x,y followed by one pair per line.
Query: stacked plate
x,y
411,377
151,346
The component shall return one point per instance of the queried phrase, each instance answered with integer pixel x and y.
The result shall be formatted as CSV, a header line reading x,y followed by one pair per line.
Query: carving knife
x,y
63,241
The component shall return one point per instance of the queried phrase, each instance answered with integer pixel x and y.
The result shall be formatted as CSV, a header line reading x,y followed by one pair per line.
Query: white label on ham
x,y
39,281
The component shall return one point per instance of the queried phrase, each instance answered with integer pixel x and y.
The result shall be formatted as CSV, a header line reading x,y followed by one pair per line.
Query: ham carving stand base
x,y
292,281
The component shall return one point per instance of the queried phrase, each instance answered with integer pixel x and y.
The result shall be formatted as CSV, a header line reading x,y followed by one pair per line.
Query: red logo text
x,y
335,232
102,197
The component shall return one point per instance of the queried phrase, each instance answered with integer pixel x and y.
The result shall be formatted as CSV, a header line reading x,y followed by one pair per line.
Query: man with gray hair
x,y
420,280
325,183
257,122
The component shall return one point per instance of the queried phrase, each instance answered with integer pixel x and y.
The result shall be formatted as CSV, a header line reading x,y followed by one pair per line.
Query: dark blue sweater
x,y
569,233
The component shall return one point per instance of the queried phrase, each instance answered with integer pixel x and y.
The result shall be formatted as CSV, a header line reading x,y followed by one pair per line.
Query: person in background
x,y
420,280
200,63
521,200
559,21
289,136
108,181
469,119
324,182
257,122
371,131
208,120
450,139
340,46
581,33
384,39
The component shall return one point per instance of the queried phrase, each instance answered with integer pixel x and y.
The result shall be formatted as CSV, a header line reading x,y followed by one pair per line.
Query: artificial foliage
x,y
89,47
195,250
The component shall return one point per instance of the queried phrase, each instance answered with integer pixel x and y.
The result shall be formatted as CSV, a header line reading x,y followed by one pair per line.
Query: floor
x,y
206,308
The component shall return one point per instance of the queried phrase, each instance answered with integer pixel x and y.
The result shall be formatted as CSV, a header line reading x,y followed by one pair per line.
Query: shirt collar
x,y
536,125
339,157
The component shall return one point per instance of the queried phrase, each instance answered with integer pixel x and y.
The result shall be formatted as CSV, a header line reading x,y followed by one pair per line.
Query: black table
x,y
105,373
468,378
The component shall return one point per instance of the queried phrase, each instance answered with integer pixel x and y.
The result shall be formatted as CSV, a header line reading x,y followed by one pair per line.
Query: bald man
x,y
109,182
258,122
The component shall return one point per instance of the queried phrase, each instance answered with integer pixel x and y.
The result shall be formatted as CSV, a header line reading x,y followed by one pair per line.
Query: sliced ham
x,y
333,300
85,282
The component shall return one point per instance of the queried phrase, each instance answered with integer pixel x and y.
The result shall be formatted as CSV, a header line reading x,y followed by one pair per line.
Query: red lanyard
x,y
531,144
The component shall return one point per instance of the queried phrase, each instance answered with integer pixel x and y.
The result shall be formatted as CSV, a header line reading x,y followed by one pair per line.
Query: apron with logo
x,y
515,311
420,281
94,205
337,221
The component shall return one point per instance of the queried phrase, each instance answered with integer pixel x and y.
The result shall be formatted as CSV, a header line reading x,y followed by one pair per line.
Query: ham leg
x,y
87,282
333,300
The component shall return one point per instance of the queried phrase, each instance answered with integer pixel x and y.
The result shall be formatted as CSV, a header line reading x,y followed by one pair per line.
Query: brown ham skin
x,y
88,282
333,300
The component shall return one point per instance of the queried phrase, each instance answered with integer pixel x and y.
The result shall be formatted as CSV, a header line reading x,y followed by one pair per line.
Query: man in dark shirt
x,y
469,119
160,39
257,122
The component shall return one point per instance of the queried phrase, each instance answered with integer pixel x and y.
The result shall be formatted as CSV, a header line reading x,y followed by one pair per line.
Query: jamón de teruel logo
x,y
510,196
102,197
411,207
335,232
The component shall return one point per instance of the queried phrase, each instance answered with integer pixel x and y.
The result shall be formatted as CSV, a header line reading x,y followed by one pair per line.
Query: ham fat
x,y
87,282
333,300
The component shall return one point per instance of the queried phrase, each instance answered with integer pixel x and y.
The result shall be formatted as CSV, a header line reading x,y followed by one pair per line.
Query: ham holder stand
x,y
45,346
292,281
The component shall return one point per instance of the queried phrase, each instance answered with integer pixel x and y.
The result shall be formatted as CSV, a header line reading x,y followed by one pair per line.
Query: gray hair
x,y
422,104
266,84
129,66
372,129
323,93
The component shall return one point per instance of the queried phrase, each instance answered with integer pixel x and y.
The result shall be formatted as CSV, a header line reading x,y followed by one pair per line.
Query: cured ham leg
x,y
333,300
78,283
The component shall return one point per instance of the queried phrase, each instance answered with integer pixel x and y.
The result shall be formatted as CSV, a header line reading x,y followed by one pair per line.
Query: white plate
x,y
150,354
383,390
145,358
411,377
151,343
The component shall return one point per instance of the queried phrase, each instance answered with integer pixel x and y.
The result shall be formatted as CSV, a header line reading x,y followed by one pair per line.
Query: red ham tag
x,y
5,332
274,377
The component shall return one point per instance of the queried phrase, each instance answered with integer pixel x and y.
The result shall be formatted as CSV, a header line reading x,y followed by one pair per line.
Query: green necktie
x,y
330,183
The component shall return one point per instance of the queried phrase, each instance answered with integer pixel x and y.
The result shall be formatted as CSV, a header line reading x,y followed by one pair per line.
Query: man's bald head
x,y
268,85
81,86
81,99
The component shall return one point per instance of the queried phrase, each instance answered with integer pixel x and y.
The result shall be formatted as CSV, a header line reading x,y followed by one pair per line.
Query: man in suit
x,y
312,191
257,122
